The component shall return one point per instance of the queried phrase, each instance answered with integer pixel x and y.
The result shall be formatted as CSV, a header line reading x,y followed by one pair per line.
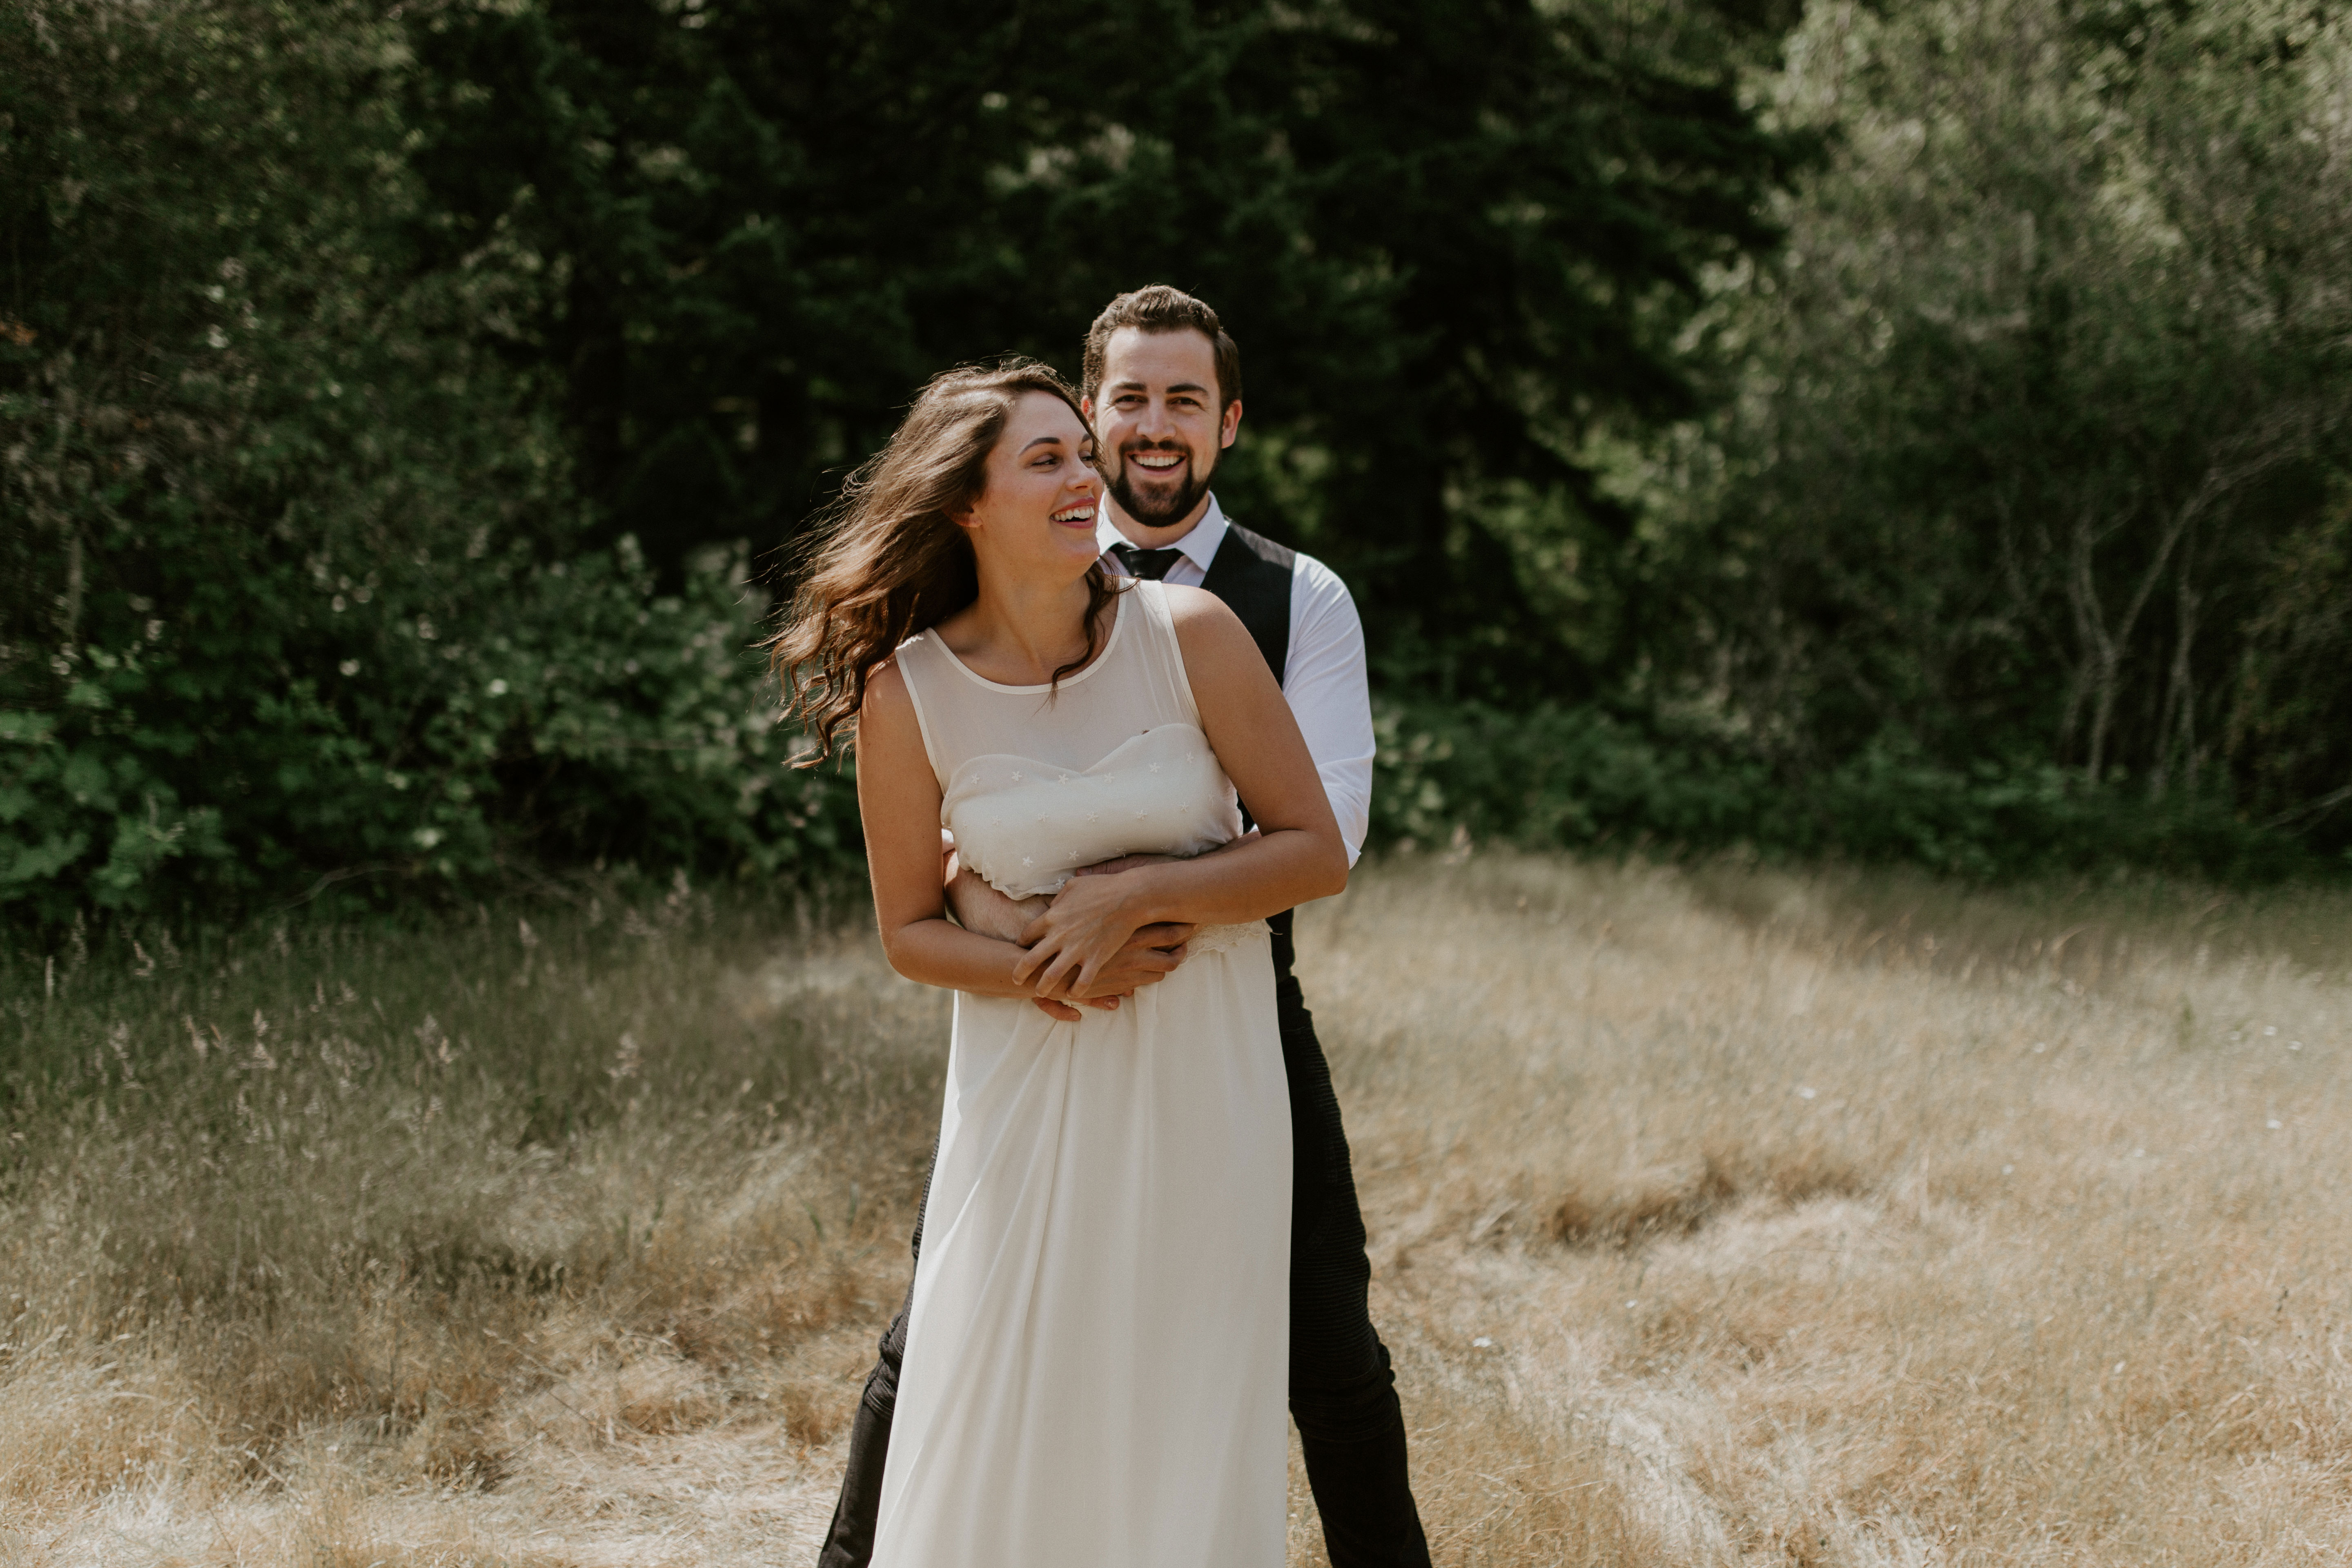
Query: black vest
x,y
1251,574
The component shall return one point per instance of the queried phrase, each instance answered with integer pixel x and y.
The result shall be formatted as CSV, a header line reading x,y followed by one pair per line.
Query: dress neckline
x,y
1118,624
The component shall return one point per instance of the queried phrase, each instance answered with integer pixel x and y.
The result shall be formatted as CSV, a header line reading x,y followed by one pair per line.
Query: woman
x,y
1094,1368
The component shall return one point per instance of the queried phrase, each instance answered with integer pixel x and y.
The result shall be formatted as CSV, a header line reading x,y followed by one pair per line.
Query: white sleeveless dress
x,y
1099,1338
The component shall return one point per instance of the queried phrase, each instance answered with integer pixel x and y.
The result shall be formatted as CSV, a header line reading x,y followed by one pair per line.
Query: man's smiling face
x,y
1157,413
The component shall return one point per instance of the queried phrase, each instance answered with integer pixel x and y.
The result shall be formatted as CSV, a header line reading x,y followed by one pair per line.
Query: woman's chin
x,y
1073,560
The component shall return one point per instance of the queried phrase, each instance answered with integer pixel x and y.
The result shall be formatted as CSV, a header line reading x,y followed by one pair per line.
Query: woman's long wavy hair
x,y
887,561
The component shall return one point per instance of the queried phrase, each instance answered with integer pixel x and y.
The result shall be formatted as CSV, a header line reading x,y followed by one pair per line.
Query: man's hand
x,y
978,907
1149,956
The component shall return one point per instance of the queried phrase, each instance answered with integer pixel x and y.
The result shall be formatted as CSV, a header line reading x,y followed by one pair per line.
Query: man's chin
x,y
1163,509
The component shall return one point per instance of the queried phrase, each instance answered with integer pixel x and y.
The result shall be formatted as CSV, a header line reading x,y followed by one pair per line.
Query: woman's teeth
x,y
1084,513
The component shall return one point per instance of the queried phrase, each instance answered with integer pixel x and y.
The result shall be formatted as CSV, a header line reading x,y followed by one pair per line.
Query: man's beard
x,y
1158,514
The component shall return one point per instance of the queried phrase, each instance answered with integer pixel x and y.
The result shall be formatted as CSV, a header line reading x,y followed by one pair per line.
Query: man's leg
x,y
1342,1393
849,1540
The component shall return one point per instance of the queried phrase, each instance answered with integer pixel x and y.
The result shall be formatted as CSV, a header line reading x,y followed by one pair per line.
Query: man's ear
x,y
1086,407
1231,425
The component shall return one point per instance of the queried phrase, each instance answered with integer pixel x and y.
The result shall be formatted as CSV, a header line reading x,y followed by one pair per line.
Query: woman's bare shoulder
x,y
886,697
1215,644
1196,610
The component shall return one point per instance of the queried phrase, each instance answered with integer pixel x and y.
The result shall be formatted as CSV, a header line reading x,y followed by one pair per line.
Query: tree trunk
x,y
2108,648
2176,725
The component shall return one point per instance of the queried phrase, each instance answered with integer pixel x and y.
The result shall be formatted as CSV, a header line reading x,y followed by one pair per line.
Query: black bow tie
x,y
1151,565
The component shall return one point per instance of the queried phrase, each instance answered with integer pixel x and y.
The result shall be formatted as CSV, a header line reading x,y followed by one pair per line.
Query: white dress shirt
x,y
1323,676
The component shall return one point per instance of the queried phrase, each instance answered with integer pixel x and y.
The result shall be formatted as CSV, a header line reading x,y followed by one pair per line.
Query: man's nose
x,y
1155,425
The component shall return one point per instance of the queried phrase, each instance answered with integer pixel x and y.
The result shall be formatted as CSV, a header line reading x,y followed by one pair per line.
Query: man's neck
x,y
1148,538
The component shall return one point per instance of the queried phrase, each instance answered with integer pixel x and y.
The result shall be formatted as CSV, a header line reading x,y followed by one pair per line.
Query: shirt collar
x,y
1200,546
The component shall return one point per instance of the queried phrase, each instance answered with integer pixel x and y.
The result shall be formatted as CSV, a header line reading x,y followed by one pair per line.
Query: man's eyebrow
x,y
1139,386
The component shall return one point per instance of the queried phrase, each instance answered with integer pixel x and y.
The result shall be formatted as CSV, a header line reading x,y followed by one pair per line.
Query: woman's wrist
x,y
1145,895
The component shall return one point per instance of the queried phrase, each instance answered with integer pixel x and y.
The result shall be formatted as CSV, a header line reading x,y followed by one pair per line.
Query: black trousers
x,y
1342,1393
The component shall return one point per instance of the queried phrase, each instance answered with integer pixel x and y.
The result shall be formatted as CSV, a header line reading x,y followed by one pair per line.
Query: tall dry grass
x,y
1718,1216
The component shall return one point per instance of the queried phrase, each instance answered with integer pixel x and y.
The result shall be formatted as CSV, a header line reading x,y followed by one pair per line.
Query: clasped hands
x,y
1064,930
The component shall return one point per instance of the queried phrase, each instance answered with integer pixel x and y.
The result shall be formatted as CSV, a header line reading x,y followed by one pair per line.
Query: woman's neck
x,y
1017,632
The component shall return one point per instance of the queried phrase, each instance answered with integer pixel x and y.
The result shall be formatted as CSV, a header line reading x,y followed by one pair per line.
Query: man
x,y
1162,386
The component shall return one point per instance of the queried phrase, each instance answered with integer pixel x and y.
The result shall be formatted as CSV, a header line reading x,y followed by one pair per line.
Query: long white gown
x,y
1096,1348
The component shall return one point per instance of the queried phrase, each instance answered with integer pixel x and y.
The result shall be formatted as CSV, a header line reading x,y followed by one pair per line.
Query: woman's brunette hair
x,y
887,561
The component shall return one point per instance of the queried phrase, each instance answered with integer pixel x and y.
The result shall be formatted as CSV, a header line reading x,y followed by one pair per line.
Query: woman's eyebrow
x,y
1042,441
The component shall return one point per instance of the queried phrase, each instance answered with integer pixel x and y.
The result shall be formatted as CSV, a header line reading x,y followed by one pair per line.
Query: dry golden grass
x,y
1718,1216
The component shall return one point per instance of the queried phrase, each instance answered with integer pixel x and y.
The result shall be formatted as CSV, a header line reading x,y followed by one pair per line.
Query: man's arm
x,y
1154,952
978,907
1326,683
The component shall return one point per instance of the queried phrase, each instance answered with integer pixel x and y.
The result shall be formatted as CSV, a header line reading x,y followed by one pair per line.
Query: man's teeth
x,y
1076,514
1158,460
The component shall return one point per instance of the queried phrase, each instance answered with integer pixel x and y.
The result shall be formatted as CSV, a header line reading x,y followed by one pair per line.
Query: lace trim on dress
x,y
1211,940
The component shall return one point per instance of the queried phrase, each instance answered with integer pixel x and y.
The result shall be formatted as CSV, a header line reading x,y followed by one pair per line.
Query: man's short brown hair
x,y
1160,309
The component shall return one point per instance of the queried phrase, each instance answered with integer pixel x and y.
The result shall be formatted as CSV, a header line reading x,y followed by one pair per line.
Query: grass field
x,y
1719,1215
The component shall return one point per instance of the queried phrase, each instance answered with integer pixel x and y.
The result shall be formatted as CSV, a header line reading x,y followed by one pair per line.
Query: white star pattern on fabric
x,y
1028,860
1018,778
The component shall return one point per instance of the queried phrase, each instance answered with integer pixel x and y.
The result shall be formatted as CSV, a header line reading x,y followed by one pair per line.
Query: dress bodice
x,y
1036,783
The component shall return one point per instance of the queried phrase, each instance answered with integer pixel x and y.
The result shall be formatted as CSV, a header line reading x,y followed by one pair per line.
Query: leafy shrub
x,y
1580,778
296,585
532,715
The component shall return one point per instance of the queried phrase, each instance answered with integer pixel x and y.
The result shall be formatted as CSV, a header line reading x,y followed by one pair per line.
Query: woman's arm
x,y
898,803
1297,854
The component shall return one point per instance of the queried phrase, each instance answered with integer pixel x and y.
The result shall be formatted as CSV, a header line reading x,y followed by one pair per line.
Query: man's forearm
x,y
978,907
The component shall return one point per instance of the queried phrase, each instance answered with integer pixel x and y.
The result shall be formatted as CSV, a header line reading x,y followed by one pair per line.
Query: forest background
x,y
1911,432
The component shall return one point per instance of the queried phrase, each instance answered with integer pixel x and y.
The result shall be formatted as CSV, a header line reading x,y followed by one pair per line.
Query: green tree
x,y
1451,239
294,588
2051,376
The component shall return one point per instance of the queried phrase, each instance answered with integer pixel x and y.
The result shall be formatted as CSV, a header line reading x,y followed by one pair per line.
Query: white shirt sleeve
x,y
1330,695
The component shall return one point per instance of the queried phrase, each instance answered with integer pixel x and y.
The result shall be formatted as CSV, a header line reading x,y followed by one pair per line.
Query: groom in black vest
x,y
1164,389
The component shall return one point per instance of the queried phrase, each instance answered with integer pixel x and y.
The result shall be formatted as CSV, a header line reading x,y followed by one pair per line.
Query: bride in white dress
x,y
1095,1369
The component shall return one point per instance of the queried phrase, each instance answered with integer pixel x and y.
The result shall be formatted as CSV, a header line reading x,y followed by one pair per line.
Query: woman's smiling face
x,y
1037,510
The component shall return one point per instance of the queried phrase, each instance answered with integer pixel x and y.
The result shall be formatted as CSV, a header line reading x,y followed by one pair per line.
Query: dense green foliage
x,y
293,589
2040,447
1914,435
1452,239
1453,774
